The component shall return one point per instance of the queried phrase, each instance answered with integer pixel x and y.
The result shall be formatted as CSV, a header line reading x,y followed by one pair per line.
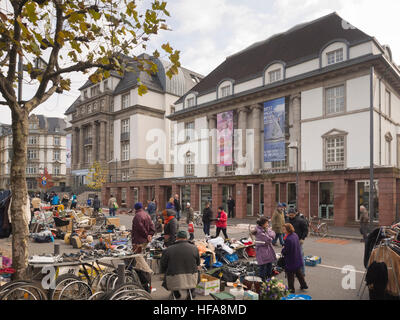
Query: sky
x,y
208,31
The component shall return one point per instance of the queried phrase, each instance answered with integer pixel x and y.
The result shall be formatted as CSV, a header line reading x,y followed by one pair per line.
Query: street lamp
x,y
293,145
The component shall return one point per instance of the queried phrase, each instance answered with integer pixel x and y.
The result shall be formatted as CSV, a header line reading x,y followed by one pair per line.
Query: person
x,y
265,254
189,213
207,218
231,205
65,201
151,209
96,204
294,261
364,223
51,197
74,201
285,212
221,224
36,202
301,228
180,263
112,204
170,227
278,220
142,229
46,197
55,201
177,206
169,206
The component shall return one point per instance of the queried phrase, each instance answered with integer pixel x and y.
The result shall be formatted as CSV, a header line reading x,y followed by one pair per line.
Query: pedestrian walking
x,y
178,207
231,206
277,221
96,205
74,201
112,206
265,253
189,213
294,261
221,224
364,223
301,229
170,227
207,218
180,263
142,229
152,209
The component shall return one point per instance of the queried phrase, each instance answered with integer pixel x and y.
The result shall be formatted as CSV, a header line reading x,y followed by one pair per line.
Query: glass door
x,y
226,193
249,202
362,194
205,196
291,195
185,196
325,209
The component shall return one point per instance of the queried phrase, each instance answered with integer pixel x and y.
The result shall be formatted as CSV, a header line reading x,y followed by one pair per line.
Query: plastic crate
x,y
231,257
312,261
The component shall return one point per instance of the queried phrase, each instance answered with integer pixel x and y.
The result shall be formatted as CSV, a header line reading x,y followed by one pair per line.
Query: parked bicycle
x,y
198,219
317,227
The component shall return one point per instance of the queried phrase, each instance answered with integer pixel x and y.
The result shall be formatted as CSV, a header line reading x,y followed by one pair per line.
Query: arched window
x,y
225,89
334,52
274,72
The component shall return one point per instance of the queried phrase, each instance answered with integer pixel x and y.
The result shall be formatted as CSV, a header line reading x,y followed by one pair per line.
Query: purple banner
x,y
225,138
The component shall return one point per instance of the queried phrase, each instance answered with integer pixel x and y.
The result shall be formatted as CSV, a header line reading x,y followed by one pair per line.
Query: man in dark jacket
x,y
300,228
96,204
231,205
207,218
180,263
142,229
177,206
170,228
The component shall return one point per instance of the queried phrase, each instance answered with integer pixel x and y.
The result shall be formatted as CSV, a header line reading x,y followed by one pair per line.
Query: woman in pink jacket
x,y
221,224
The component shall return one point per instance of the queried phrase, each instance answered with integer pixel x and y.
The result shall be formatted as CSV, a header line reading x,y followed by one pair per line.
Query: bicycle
x,y
198,221
317,228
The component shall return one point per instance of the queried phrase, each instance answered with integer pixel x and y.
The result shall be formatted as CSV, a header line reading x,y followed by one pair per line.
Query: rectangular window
x,y
190,102
172,110
85,94
32,154
225,91
189,165
56,141
30,169
335,150
275,75
106,85
56,155
335,100
335,56
125,152
388,103
125,126
56,170
125,175
189,131
125,101
388,152
95,90
32,140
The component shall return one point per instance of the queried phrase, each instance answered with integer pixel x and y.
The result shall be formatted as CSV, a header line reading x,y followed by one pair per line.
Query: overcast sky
x,y
208,31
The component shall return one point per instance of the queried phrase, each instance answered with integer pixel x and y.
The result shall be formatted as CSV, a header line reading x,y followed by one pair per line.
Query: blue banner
x,y
274,130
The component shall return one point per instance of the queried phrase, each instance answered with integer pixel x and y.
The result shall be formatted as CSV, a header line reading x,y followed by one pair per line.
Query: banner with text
x,y
274,130
225,137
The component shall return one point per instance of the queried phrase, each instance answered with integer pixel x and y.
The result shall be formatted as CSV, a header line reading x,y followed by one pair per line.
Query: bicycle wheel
x,y
61,282
24,291
323,230
77,290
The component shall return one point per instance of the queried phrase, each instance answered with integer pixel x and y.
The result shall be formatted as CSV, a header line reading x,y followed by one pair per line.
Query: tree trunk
x,y
19,220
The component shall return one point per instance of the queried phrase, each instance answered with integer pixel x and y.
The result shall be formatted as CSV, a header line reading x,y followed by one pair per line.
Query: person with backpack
x,y
112,206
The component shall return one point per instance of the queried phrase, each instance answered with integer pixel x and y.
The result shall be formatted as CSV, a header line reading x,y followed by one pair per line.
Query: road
x,y
324,280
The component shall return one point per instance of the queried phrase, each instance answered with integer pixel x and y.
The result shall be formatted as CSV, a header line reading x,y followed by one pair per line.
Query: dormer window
x,y
85,94
190,102
335,56
275,75
95,90
106,85
225,91
125,101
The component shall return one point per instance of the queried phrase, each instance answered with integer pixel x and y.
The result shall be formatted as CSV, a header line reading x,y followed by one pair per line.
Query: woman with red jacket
x,y
221,224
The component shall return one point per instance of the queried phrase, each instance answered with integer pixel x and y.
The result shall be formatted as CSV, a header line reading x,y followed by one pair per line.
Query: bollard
x,y
56,249
121,274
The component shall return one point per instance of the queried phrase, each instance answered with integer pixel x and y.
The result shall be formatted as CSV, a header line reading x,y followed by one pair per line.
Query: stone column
x,y
103,142
256,119
94,141
269,198
195,196
73,147
212,146
242,126
340,203
216,198
81,147
387,201
241,201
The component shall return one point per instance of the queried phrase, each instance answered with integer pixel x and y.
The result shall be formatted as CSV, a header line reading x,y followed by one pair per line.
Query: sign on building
x,y
274,130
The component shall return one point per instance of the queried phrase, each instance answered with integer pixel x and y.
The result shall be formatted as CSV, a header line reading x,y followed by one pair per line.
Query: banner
x,y
69,154
225,138
274,130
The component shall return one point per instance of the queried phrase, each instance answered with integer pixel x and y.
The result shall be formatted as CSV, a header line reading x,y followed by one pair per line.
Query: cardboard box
x,y
115,221
211,285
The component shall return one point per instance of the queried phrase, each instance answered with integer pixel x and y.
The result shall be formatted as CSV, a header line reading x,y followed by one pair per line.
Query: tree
x,y
96,176
69,36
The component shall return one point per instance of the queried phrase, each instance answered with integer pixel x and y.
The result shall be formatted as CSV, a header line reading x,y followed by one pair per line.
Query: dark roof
x,y
72,107
54,123
300,43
